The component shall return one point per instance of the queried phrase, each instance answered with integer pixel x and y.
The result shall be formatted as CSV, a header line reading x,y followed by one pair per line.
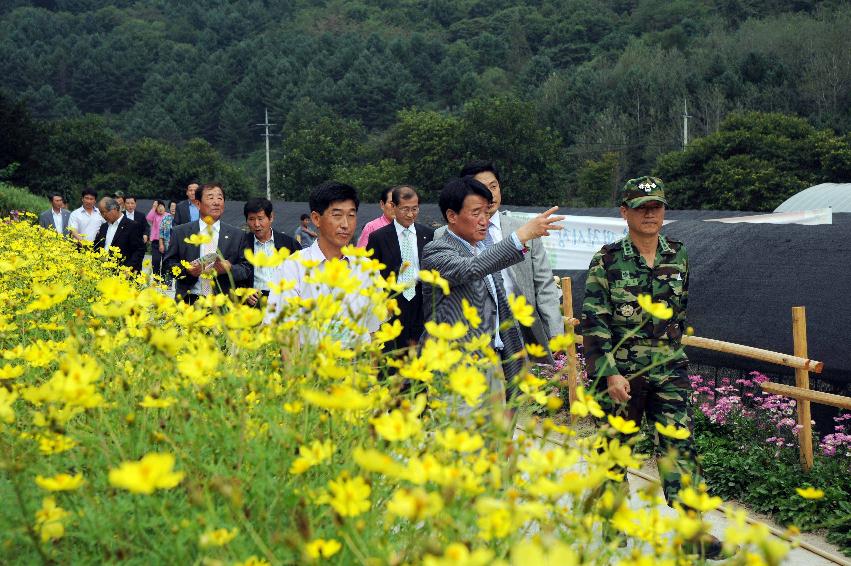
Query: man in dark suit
x,y
474,271
136,216
120,232
57,216
399,246
262,239
187,210
219,253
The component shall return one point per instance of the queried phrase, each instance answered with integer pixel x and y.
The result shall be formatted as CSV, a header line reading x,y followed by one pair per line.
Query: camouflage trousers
x,y
662,398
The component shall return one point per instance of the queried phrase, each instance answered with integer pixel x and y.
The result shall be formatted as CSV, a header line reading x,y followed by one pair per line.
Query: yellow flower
x,y
340,397
532,552
469,383
7,398
294,407
153,471
218,537
51,443
395,426
415,504
151,403
699,501
198,239
388,332
433,278
656,310
8,371
322,548
266,260
672,431
375,461
312,455
458,441
471,314
810,492
536,350
522,311
561,342
457,554
349,497
446,332
622,425
585,404
48,520
60,482
253,560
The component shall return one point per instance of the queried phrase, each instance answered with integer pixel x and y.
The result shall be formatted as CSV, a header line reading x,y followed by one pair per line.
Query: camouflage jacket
x,y
617,275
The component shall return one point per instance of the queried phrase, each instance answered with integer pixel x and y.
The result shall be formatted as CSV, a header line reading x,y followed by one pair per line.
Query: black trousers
x,y
156,257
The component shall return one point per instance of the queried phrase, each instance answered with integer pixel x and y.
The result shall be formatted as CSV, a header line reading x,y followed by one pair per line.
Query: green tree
x,y
599,180
530,157
372,178
754,162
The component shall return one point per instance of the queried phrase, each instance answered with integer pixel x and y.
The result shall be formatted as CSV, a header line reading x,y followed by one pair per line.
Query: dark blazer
x,y
181,213
466,273
140,219
45,220
281,241
387,250
128,239
230,247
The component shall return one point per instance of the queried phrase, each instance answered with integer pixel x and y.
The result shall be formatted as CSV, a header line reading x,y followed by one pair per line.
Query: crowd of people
x,y
633,316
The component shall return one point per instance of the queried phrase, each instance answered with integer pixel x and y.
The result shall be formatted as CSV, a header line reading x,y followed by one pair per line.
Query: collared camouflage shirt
x,y
617,275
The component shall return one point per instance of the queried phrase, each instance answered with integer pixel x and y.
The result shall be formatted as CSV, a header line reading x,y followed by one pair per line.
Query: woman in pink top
x,y
154,217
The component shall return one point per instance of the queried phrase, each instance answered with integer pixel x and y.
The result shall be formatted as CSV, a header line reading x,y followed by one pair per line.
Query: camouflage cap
x,y
643,189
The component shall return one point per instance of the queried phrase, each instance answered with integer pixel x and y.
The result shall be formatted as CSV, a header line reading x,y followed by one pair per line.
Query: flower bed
x,y
139,430
748,441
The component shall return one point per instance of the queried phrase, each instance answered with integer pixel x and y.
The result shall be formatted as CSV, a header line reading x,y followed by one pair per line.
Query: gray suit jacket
x,y
230,247
466,276
533,278
45,220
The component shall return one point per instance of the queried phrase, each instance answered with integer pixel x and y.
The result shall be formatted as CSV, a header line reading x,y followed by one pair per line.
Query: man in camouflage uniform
x,y
635,357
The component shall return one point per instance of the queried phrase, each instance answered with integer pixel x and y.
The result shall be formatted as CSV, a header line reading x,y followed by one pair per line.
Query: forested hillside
x,y
569,96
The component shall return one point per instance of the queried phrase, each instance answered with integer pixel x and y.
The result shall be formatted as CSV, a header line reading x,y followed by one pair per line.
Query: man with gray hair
x,y
120,232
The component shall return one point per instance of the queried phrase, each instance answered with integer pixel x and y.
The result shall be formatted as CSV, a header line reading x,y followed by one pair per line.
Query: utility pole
x,y
685,122
267,135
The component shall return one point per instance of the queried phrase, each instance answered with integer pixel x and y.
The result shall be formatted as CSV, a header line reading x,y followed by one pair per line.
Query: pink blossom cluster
x,y
839,442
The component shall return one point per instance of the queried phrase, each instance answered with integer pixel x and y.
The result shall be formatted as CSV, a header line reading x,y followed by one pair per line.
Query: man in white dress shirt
x,y
85,222
333,209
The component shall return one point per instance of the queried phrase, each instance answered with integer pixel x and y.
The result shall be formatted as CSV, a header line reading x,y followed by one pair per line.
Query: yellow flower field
x,y
137,430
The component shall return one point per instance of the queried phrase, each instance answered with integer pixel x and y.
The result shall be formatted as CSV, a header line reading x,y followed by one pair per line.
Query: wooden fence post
x,y
802,380
572,370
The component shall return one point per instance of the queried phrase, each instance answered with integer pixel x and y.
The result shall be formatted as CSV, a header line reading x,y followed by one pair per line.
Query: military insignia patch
x,y
647,186
627,310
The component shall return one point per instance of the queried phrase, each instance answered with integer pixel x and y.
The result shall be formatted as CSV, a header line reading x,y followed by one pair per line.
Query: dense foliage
x,y
572,95
138,430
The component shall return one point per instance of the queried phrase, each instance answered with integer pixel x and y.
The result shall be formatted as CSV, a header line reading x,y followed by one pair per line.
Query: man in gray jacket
x,y
474,271
532,277
57,216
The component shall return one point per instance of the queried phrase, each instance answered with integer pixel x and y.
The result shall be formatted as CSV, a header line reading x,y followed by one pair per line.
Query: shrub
x,y
17,198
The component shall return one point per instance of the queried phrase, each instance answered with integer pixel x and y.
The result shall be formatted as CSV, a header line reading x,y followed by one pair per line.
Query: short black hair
x,y
386,194
404,192
54,195
304,217
88,191
257,204
199,192
473,168
128,197
456,190
331,191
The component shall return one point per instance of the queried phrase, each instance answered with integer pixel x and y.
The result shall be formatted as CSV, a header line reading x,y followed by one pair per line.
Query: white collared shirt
x,y
210,247
86,224
262,275
413,230
495,230
57,221
111,229
356,306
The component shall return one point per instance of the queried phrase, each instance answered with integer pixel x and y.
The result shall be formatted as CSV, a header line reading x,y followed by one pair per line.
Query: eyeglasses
x,y
408,210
